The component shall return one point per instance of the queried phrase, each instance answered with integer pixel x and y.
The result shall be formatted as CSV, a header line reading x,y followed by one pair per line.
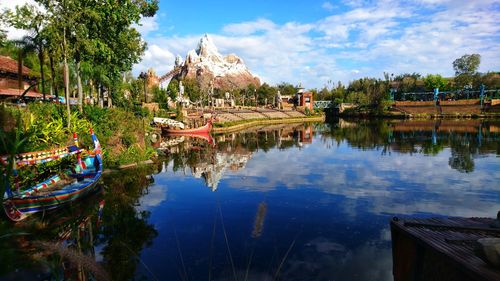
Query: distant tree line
x,y
368,91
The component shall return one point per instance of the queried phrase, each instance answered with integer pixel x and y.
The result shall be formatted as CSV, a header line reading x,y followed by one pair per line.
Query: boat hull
x,y
39,198
201,130
18,208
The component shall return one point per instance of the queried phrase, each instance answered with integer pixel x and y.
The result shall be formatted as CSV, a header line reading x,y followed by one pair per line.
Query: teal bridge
x,y
322,104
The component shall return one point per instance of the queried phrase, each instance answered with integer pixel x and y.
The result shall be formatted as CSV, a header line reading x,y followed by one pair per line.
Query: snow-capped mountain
x,y
208,66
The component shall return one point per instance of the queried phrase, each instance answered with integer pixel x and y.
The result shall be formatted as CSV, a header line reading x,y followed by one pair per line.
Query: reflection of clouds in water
x,y
324,246
332,261
156,195
395,184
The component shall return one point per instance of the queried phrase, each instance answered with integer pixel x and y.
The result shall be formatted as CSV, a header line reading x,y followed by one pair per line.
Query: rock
x,y
488,249
178,61
211,69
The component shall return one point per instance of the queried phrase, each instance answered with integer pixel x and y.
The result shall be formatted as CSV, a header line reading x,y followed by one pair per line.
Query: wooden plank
x,y
452,240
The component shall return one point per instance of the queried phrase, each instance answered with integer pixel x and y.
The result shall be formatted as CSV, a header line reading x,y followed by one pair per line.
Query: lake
x,y
306,201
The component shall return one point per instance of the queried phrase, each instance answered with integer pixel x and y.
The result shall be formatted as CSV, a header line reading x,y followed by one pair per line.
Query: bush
x,y
121,133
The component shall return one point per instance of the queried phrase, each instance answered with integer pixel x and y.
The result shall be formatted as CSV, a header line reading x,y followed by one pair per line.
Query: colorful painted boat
x,y
195,131
53,193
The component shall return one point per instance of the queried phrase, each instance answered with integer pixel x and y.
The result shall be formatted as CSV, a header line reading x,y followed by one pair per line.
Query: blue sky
x,y
317,43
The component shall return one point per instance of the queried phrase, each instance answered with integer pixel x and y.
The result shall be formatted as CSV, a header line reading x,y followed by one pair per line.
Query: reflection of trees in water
x,y
419,137
125,230
63,242
60,242
462,152
362,134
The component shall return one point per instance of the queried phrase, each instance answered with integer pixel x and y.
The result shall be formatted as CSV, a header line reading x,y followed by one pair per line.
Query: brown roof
x,y
18,92
9,65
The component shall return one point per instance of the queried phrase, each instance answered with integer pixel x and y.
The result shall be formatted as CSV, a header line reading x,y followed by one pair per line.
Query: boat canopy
x,y
39,157
169,122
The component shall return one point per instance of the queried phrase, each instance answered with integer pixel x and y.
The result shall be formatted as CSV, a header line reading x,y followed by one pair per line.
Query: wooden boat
x,y
54,192
195,131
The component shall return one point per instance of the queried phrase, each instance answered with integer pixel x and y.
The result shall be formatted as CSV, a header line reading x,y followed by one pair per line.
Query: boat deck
x,y
441,249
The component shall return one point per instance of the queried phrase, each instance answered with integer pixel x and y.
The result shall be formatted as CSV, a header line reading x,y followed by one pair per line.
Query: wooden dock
x,y
441,249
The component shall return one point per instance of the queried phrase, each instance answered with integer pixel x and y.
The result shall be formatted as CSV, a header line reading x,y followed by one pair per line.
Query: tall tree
x,y
467,64
466,69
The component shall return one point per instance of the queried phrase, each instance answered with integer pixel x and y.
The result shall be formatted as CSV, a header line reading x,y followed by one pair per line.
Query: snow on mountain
x,y
208,66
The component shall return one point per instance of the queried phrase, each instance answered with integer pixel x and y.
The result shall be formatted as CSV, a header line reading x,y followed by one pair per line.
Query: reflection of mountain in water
x,y
212,171
234,150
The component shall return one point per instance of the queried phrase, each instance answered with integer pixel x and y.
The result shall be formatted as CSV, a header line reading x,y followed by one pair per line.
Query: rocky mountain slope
x,y
209,67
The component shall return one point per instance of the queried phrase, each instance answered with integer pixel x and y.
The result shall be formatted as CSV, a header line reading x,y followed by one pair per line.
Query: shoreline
x,y
252,123
417,116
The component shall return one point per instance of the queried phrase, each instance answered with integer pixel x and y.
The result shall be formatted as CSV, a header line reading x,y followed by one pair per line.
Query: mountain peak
x,y
206,47
210,68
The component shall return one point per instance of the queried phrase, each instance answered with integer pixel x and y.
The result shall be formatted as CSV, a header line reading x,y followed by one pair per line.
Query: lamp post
x,y
255,95
144,77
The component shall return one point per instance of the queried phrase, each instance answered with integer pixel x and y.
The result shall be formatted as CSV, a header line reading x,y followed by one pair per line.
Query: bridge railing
x,y
447,95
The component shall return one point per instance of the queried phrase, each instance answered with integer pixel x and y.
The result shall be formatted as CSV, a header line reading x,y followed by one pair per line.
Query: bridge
x,y
165,79
322,104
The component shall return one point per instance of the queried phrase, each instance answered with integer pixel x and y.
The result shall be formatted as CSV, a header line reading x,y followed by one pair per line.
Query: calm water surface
x,y
282,202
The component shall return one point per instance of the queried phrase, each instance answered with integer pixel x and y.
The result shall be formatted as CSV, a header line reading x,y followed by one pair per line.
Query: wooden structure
x,y
306,100
10,82
441,249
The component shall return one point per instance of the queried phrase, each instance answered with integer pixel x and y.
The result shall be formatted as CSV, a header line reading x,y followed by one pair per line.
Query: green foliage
x,y
120,132
323,94
466,70
433,81
467,64
307,111
173,89
287,89
192,89
266,93
160,96
491,80
339,93
358,98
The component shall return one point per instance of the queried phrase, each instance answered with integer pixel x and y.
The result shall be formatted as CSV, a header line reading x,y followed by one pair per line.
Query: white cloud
x,y
156,57
155,196
14,33
327,6
147,25
247,28
11,4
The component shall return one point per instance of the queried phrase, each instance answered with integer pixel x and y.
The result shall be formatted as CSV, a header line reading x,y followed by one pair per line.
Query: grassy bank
x,y
44,126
